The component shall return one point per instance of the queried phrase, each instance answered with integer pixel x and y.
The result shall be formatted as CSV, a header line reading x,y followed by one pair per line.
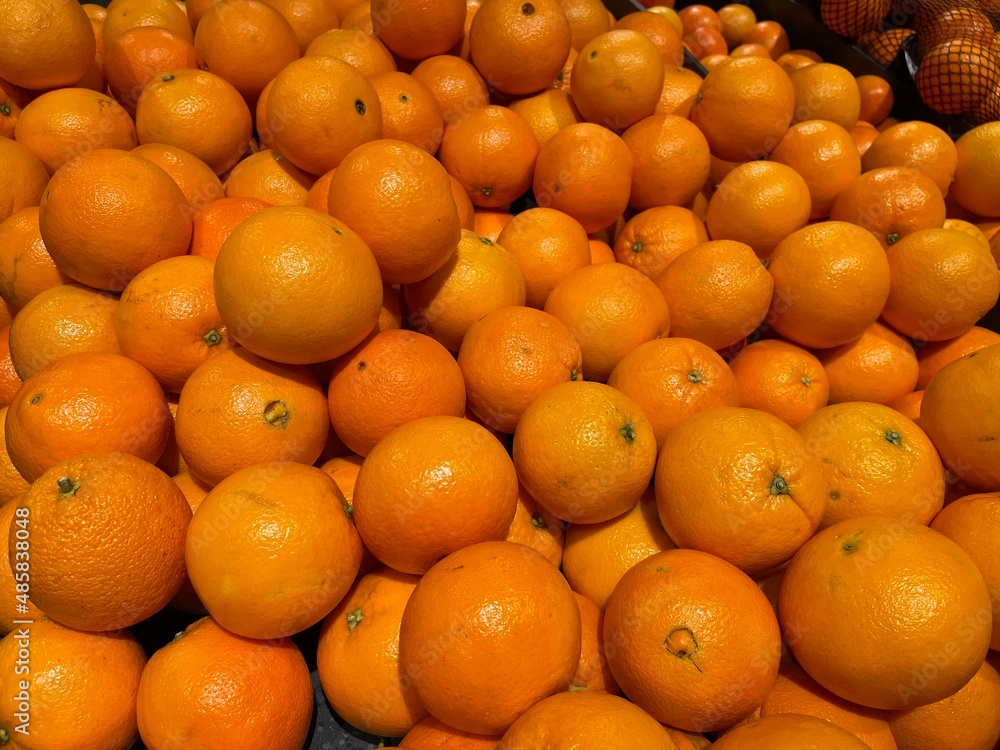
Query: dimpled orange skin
x,y
97,223
296,286
45,45
932,357
238,409
127,572
420,479
670,630
26,268
288,542
418,226
417,29
879,366
875,461
27,180
361,637
790,732
314,97
82,685
267,701
82,403
781,379
593,673
10,604
670,161
432,733
197,111
488,632
653,239
867,602
570,430
739,483
585,720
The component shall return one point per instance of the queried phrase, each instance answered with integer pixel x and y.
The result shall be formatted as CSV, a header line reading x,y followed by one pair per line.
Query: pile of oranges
x,y
573,400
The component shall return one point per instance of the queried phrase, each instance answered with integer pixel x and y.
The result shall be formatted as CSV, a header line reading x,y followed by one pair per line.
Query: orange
x,y
500,385
935,355
355,16
610,309
759,203
852,19
909,405
457,86
880,367
409,110
478,278
263,136
246,42
479,665
419,225
491,152
875,462
13,99
831,281
790,731
268,691
197,182
708,61
618,78
744,107
672,379
123,15
891,202
548,245
520,47
61,124
82,403
717,292
417,29
466,211
361,635
233,566
141,54
45,45
10,381
318,197
976,187
212,224
318,95
875,596
585,719
27,181
585,170
968,228
864,135
270,177
651,240
969,716
781,379
915,144
970,522
488,222
737,21
680,89
825,156
660,31
601,252
771,35
957,413
390,379
26,268
682,628
925,270
9,608
738,483
877,98
167,320
404,470
237,410
356,48
596,556
697,16
125,576
196,111
752,50
82,682
825,91
547,113
946,69
297,286
795,692
431,733
536,528
593,672
597,426
587,19
69,319
670,161
308,18
793,60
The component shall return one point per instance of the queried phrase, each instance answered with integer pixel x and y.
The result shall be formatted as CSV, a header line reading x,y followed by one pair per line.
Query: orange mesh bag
x,y
853,18
955,76
928,10
988,108
884,46
955,23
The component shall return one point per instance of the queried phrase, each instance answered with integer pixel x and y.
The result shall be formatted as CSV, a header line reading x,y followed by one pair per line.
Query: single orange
x,y
781,379
670,161
432,733
790,730
660,31
197,181
879,366
975,186
933,356
212,224
737,21
534,527
417,29
409,110
618,78
652,239
308,18
587,19
270,177
825,156
141,54
547,113
28,178
358,49
128,14
680,89
47,46
26,268
877,98
457,86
